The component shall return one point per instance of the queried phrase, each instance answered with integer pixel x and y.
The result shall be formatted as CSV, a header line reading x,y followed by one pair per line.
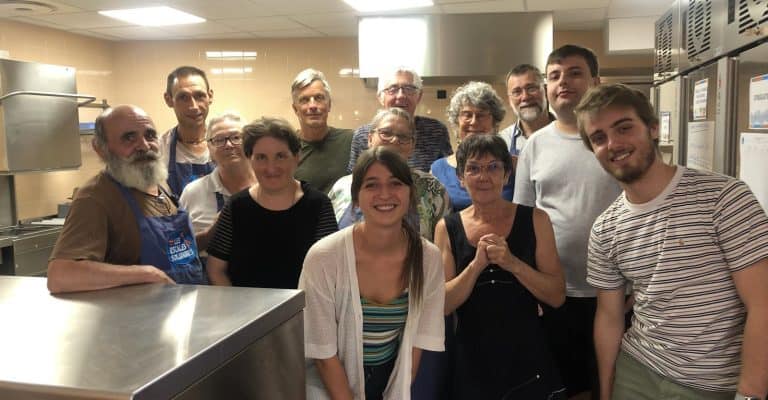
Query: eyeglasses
x,y
391,137
490,168
408,90
477,115
532,90
219,141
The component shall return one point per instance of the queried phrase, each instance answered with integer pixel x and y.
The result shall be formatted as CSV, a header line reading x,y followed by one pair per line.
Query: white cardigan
x,y
333,317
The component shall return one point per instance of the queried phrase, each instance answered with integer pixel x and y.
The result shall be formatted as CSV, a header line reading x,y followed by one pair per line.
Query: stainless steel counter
x,y
146,341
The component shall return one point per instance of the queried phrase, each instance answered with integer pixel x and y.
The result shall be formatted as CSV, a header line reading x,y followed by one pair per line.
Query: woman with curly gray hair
x,y
475,108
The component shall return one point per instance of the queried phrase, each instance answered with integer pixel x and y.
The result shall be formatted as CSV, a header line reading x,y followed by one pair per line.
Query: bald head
x,y
115,115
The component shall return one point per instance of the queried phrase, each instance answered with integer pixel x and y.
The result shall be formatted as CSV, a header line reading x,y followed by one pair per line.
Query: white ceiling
x,y
239,19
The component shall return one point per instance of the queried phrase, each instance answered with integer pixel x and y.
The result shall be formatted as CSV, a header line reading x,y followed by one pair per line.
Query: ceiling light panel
x,y
390,5
153,16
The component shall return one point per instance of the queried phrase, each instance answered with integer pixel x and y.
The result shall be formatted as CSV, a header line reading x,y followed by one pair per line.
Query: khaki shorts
x,y
635,381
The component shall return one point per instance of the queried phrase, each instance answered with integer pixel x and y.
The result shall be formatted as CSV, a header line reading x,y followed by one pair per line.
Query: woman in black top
x,y
500,261
264,232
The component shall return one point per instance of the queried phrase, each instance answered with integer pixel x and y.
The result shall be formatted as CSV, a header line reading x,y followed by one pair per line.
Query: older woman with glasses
x,y
264,232
500,262
394,128
205,197
475,109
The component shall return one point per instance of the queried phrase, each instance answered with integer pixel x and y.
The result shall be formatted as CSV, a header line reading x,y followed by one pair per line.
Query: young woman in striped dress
x,y
374,292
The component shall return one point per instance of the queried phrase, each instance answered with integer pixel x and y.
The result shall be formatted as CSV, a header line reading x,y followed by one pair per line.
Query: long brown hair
x,y
398,167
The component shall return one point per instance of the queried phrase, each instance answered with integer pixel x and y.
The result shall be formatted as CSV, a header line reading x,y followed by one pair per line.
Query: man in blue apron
x,y
123,228
183,147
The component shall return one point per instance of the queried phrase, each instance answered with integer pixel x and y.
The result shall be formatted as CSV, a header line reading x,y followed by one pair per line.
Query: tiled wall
x,y
134,72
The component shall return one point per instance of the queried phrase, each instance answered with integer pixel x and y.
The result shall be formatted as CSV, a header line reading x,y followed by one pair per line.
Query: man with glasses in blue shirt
x,y
525,90
402,89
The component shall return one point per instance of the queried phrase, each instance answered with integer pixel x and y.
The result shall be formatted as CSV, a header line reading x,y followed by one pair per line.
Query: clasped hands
x,y
493,249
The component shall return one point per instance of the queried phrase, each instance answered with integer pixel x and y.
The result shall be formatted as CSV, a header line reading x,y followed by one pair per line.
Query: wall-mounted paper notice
x,y
665,125
701,145
753,152
758,102
700,99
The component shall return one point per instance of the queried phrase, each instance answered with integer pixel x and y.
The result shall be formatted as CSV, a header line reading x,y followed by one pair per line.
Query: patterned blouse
x,y
432,198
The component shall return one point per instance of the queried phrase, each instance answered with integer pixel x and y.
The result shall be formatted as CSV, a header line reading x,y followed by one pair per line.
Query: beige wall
x,y
134,72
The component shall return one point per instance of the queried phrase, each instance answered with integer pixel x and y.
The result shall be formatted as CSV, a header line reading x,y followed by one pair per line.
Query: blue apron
x,y
219,201
167,243
180,174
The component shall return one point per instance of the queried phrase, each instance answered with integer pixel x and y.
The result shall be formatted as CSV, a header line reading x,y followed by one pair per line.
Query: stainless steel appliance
x,y
710,138
39,128
25,249
445,45
151,341
39,131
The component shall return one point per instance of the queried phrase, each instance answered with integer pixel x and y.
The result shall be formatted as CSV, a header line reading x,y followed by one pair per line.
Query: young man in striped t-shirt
x,y
693,245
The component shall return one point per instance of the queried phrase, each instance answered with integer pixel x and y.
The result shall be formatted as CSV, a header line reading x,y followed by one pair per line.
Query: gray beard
x,y
529,114
140,171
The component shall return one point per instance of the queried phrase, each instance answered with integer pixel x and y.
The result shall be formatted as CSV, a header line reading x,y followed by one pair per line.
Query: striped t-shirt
x,y
678,252
382,328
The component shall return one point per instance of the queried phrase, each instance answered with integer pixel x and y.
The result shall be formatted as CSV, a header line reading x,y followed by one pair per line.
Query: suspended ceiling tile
x,y
327,20
85,20
339,31
261,24
136,33
204,28
294,7
228,35
290,33
484,7
100,5
222,9
564,5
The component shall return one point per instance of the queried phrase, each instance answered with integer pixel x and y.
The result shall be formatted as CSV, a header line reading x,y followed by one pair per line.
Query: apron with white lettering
x,y
167,243
181,174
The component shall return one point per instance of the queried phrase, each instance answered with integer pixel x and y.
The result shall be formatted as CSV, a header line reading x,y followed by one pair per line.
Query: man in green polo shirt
x,y
324,149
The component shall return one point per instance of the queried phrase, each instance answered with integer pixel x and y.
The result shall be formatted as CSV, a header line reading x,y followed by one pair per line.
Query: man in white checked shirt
x,y
693,246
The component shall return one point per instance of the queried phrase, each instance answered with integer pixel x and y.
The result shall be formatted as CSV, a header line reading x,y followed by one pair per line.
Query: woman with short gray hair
x,y
475,108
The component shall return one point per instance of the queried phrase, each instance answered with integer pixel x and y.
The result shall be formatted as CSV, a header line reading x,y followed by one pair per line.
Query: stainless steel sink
x,y
21,230
26,248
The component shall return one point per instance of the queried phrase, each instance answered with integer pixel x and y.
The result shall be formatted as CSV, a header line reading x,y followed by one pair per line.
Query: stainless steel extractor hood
x,y
38,117
475,45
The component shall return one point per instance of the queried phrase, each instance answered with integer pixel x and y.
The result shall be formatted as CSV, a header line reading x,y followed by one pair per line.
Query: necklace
x,y
197,141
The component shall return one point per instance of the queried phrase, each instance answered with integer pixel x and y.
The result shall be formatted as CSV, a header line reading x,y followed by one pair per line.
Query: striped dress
x,y
382,329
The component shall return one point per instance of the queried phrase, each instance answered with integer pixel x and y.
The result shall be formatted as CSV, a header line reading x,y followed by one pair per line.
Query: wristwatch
x,y
740,396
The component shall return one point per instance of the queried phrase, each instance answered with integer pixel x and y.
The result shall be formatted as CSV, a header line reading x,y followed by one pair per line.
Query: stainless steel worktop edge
x,y
221,351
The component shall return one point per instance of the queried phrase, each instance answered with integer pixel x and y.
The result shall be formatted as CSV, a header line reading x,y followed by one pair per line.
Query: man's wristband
x,y
740,396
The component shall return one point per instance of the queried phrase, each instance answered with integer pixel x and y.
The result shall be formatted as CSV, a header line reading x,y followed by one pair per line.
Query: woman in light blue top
x,y
475,108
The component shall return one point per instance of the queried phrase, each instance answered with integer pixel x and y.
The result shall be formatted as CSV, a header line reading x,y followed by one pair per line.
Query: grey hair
x,y
395,112
100,134
233,116
387,78
305,78
476,94
522,69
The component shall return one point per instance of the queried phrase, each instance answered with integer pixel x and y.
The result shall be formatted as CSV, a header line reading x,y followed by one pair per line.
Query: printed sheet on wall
x,y
753,166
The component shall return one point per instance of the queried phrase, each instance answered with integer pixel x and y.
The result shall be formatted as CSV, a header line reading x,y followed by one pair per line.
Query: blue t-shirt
x,y
460,200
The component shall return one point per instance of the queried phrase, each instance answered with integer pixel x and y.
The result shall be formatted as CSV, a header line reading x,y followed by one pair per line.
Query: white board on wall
x,y
753,167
